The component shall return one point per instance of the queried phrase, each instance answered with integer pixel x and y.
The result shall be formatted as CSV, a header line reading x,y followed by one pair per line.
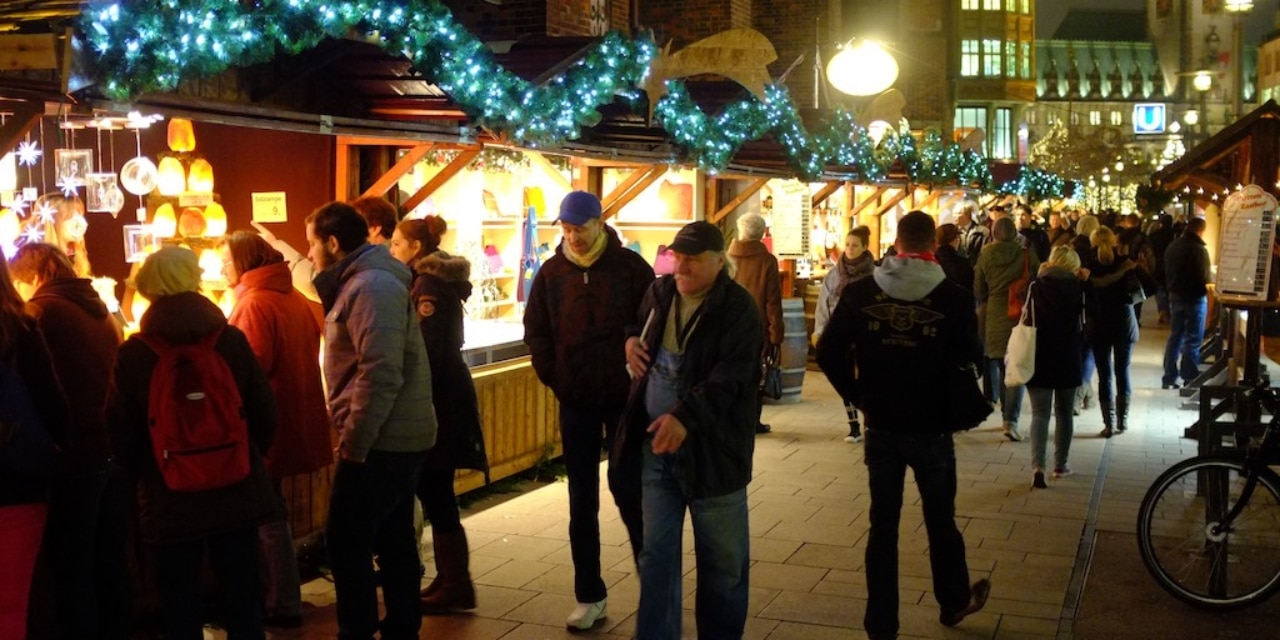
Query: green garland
x,y
1035,185
141,46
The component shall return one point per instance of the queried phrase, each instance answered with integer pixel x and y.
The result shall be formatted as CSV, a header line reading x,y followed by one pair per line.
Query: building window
x,y
1095,118
1011,59
1011,5
969,5
1026,6
968,120
991,58
991,5
1025,58
1031,117
969,57
1117,118
1002,135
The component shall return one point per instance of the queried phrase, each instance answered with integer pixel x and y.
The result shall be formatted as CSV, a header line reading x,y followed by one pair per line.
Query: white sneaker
x,y
853,439
1011,432
584,615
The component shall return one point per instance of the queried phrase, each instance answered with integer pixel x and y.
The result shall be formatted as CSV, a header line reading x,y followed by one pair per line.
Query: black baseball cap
x,y
696,237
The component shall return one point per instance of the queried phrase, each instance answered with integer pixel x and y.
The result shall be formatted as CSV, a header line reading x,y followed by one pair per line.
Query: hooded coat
x,y
83,338
1000,263
284,335
440,286
166,516
757,272
375,364
891,336
32,360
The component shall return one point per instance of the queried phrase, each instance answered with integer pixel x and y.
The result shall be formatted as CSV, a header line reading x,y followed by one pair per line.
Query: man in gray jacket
x,y
379,382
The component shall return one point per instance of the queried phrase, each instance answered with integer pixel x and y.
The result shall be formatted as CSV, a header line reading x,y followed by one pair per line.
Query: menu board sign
x,y
792,208
1244,251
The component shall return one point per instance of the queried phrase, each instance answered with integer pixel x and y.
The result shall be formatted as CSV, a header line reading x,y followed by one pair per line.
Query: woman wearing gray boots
x,y
1113,329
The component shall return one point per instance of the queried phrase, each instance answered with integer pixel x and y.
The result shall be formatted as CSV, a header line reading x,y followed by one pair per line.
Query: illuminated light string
x,y
136,52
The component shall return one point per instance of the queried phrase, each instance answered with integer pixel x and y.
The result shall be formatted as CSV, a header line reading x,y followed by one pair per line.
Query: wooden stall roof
x,y
1247,152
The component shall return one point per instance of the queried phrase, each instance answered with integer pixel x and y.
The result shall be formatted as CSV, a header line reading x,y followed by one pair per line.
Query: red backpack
x,y
199,432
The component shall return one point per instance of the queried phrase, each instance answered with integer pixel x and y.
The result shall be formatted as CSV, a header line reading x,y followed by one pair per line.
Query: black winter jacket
x,y
1057,302
575,320
32,360
721,375
1186,268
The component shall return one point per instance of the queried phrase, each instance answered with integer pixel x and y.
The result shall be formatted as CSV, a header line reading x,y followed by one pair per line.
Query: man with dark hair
x,y
1187,276
379,382
891,335
380,215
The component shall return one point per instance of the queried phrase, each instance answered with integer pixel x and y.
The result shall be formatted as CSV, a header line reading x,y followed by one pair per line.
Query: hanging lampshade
x,y
172,177
138,176
200,177
191,223
215,218
182,137
164,223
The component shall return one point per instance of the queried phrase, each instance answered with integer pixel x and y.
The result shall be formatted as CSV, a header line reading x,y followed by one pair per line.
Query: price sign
x,y
269,206
1244,251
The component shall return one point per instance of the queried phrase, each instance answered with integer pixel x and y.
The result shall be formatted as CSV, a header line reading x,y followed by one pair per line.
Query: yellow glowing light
x,y
210,265
200,177
863,69
10,227
182,137
173,178
215,218
164,222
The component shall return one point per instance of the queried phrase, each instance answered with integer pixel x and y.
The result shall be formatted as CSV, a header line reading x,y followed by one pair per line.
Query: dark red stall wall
x,y
244,161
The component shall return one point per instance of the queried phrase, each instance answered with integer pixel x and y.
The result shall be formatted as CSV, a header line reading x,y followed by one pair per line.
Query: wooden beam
x,y
626,185
742,197
889,204
29,52
25,116
450,170
655,172
831,187
342,174
549,169
370,141
392,176
868,200
711,195
933,195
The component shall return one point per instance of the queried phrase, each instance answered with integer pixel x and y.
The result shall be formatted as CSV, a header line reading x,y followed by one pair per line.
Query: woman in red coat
x,y
285,336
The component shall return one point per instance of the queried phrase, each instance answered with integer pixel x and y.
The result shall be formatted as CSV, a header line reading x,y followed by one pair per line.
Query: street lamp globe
x,y
1203,81
862,69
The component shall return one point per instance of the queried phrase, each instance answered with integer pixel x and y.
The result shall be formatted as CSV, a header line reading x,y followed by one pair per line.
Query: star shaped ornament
x,y
19,206
69,186
33,234
28,153
44,212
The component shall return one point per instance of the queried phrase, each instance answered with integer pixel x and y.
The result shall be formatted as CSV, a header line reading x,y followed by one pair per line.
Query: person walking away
x,y
1057,306
181,524
379,385
1083,245
579,306
24,493
441,285
757,272
891,335
284,335
690,418
1113,329
1001,262
954,266
1187,276
1160,239
85,539
855,264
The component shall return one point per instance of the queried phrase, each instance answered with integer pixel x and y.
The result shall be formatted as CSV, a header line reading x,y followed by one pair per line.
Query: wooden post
x,y
450,170
389,179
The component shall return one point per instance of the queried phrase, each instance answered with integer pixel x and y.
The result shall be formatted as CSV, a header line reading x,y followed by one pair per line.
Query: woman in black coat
x,y
954,265
1057,305
1113,328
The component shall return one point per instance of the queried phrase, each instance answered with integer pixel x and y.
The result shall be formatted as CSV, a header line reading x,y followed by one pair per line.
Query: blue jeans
x,y
1010,397
584,433
234,559
1186,330
282,584
371,511
1062,401
932,459
721,546
1105,355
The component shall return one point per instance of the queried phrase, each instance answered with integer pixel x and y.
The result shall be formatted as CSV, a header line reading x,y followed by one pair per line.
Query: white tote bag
x,y
1020,355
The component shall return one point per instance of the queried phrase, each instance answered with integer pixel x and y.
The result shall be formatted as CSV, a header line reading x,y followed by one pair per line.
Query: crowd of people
x,y
663,373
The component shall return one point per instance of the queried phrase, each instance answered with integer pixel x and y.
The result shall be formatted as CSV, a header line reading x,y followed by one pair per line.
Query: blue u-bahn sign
x,y
1148,118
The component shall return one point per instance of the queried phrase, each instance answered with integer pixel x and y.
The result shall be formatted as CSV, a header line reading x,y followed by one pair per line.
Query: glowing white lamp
x,y
862,69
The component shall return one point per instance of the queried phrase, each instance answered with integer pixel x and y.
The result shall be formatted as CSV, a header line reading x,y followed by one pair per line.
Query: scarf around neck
x,y
589,258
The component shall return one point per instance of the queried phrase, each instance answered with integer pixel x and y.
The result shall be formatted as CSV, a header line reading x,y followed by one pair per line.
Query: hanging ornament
x,y
44,211
139,176
97,186
10,227
33,234
69,186
28,153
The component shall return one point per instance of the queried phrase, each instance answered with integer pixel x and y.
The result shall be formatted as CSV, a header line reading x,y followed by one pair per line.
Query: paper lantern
x,y
191,224
172,178
215,217
138,176
200,176
182,137
164,223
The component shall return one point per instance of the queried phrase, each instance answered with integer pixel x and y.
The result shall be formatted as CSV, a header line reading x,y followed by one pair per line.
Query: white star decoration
x,y
33,234
45,212
19,206
69,186
28,153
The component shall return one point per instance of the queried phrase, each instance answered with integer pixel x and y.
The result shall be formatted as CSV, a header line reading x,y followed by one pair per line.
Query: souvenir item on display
x,y
139,242
182,136
102,194
1020,355
172,178
215,218
191,224
200,176
139,176
74,166
164,222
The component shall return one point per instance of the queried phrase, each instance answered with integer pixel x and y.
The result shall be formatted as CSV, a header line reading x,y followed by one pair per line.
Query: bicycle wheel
x,y
1222,571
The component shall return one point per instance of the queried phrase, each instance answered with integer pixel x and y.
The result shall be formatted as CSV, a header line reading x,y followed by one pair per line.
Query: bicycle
x,y
1209,526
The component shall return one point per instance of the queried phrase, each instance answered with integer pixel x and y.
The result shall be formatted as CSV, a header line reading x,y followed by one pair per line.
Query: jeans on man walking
x,y
371,511
1186,330
933,462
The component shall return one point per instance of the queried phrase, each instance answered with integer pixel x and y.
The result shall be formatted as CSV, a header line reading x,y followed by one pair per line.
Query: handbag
x,y
771,380
966,406
1018,288
1133,287
1020,355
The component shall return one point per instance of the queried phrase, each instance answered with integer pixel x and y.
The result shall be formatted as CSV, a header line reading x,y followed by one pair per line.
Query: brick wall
x,y
794,27
686,21
508,21
568,17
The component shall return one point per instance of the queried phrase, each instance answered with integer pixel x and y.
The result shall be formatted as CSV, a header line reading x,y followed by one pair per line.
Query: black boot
x,y
1108,418
1122,413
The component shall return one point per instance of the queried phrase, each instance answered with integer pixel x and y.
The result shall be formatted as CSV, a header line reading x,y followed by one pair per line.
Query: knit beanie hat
x,y
168,271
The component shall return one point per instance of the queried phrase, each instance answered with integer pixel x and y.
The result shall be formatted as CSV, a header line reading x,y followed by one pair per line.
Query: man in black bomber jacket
x,y
891,336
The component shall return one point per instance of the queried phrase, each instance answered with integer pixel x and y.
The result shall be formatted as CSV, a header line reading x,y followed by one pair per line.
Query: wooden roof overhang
x,y
1247,152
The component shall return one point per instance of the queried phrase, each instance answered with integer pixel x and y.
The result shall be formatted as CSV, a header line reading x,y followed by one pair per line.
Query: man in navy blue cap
x,y
580,303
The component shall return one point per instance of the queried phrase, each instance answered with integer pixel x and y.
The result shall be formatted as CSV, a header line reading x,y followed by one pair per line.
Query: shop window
x,y
1011,59
1026,7
967,119
991,5
969,58
1025,59
1011,6
991,58
969,5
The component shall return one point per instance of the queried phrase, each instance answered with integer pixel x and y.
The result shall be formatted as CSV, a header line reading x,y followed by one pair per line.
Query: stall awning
x,y
1247,152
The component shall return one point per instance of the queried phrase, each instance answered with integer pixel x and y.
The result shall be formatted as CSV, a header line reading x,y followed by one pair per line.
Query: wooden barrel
x,y
795,351
811,293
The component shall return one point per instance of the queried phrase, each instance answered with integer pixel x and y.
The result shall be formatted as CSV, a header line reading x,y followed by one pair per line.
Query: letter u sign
x,y
1148,118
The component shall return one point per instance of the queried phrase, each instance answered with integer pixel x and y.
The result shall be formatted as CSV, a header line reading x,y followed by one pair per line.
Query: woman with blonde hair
x,y
1055,305
1113,328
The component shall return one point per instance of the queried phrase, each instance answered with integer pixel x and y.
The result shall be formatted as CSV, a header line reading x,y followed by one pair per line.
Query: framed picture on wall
x,y
74,166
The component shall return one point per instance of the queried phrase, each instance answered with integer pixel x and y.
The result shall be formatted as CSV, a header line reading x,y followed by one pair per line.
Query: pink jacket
x,y
284,335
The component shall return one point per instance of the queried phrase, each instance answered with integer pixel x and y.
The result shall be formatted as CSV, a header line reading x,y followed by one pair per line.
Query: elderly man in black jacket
x,y
691,418
899,330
